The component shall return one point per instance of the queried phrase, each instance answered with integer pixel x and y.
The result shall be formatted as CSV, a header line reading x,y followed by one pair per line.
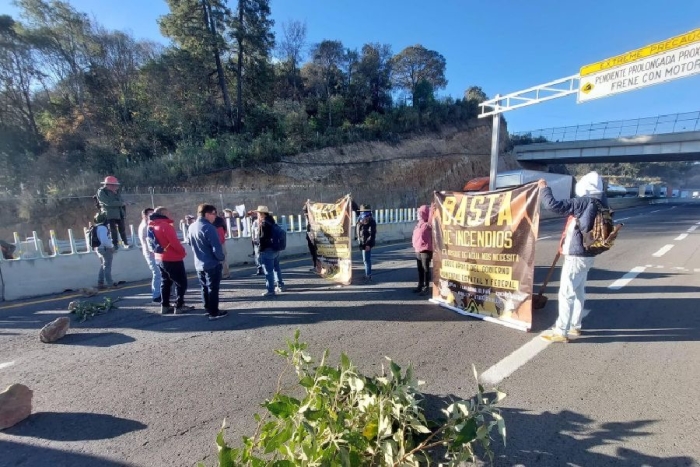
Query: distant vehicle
x,y
615,191
675,193
696,194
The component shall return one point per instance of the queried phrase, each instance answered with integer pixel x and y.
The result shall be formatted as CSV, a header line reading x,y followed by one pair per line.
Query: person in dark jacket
x,y
170,261
582,211
208,251
422,240
110,202
310,240
269,257
366,233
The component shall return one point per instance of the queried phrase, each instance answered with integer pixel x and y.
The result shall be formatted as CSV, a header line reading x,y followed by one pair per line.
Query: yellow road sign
x,y
638,54
677,57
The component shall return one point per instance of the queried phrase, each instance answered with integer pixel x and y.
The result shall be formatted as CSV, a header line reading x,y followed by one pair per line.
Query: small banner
x,y
484,253
330,231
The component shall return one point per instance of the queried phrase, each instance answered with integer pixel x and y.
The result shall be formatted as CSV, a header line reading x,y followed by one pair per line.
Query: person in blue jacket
x,y
582,211
208,255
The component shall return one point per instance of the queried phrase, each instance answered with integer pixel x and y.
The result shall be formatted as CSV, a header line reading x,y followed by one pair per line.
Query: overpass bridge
x,y
664,138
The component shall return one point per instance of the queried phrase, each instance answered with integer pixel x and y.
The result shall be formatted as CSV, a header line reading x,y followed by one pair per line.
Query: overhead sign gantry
x,y
677,57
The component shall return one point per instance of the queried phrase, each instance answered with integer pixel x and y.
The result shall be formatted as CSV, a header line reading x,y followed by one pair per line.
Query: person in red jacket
x,y
170,255
423,245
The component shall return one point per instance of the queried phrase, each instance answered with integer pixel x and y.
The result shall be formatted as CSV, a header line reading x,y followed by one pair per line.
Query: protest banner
x,y
484,253
330,230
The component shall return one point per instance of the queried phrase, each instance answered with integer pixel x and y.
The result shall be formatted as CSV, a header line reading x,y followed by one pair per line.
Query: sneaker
x,y
574,333
101,287
280,288
183,309
220,314
116,285
368,278
157,300
417,289
167,310
424,291
268,294
555,338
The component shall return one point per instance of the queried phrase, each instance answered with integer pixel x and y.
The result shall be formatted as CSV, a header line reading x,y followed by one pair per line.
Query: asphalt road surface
x,y
135,388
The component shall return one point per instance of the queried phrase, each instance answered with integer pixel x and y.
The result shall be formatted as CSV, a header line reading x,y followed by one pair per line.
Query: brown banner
x,y
484,253
330,232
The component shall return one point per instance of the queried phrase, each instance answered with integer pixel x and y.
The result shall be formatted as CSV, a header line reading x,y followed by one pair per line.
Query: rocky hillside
x,y
385,175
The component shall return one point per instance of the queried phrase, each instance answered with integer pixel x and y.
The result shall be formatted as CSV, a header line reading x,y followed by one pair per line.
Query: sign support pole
x,y
495,140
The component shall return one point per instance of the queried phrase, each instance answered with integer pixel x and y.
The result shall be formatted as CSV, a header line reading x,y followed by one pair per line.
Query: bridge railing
x,y
661,124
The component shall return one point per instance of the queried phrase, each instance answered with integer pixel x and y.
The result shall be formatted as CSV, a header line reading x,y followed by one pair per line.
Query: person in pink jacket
x,y
423,245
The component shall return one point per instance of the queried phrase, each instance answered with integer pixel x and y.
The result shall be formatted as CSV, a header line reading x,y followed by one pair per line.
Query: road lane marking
x,y
627,278
512,362
681,236
692,229
542,238
652,212
6,364
662,251
527,352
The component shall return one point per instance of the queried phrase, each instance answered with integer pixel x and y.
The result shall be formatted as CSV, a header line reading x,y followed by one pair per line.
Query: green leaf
x,y
371,430
279,439
395,370
307,382
345,362
467,434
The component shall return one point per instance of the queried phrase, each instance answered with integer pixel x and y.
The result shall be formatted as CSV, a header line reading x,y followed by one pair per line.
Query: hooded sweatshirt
x,y
167,237
581,212
423,231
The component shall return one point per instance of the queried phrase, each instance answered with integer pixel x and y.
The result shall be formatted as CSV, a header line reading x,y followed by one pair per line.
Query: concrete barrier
x,y
27,278
34,276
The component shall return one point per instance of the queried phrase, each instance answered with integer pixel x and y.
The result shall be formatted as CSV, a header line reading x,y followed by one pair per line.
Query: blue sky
x,y
501,45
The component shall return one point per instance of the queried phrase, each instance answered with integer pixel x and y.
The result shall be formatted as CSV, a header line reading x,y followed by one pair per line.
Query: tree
x,y
251,31
198,27
475,94
327,57
291,53
415,64
375,72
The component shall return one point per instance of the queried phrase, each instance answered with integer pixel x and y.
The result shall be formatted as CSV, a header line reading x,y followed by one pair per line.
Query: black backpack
x,y
279,238
92,235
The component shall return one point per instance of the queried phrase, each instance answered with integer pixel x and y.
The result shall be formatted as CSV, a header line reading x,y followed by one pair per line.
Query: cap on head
x,y
110,180
365,208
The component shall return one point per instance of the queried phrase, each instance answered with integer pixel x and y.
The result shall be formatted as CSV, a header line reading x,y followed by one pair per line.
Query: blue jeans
x,y
270,260
210,280
104,277
367,259
155,273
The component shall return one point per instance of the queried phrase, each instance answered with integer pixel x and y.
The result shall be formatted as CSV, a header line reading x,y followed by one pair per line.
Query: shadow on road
x,y
13,453
96,339
74,426
570,438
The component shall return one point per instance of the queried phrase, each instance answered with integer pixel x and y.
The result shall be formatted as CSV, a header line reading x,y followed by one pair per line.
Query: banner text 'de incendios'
x,y
484,251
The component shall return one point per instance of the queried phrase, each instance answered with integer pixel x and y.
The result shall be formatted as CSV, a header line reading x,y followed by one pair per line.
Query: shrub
x,y
341,417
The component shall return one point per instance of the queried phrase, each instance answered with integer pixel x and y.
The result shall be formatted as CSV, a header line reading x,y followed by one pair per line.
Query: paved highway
x,y
135,388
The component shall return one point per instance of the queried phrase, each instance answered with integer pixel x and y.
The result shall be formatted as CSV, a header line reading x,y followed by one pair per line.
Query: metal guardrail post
x,y
71,239
53,242
37,244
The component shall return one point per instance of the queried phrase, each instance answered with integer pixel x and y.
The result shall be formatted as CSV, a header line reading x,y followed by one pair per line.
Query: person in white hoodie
x,y
582,211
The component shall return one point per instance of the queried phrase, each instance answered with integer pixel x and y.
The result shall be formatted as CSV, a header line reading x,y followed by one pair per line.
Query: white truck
x,y
562,185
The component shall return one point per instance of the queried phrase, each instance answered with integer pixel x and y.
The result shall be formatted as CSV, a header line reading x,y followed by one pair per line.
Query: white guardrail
x,y
69,265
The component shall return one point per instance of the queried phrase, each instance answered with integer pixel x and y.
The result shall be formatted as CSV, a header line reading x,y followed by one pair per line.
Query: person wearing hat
x,y
269,257
366,232
112,205
105,252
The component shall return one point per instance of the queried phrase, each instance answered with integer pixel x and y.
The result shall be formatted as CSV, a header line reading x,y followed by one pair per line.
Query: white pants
x,y
572,292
